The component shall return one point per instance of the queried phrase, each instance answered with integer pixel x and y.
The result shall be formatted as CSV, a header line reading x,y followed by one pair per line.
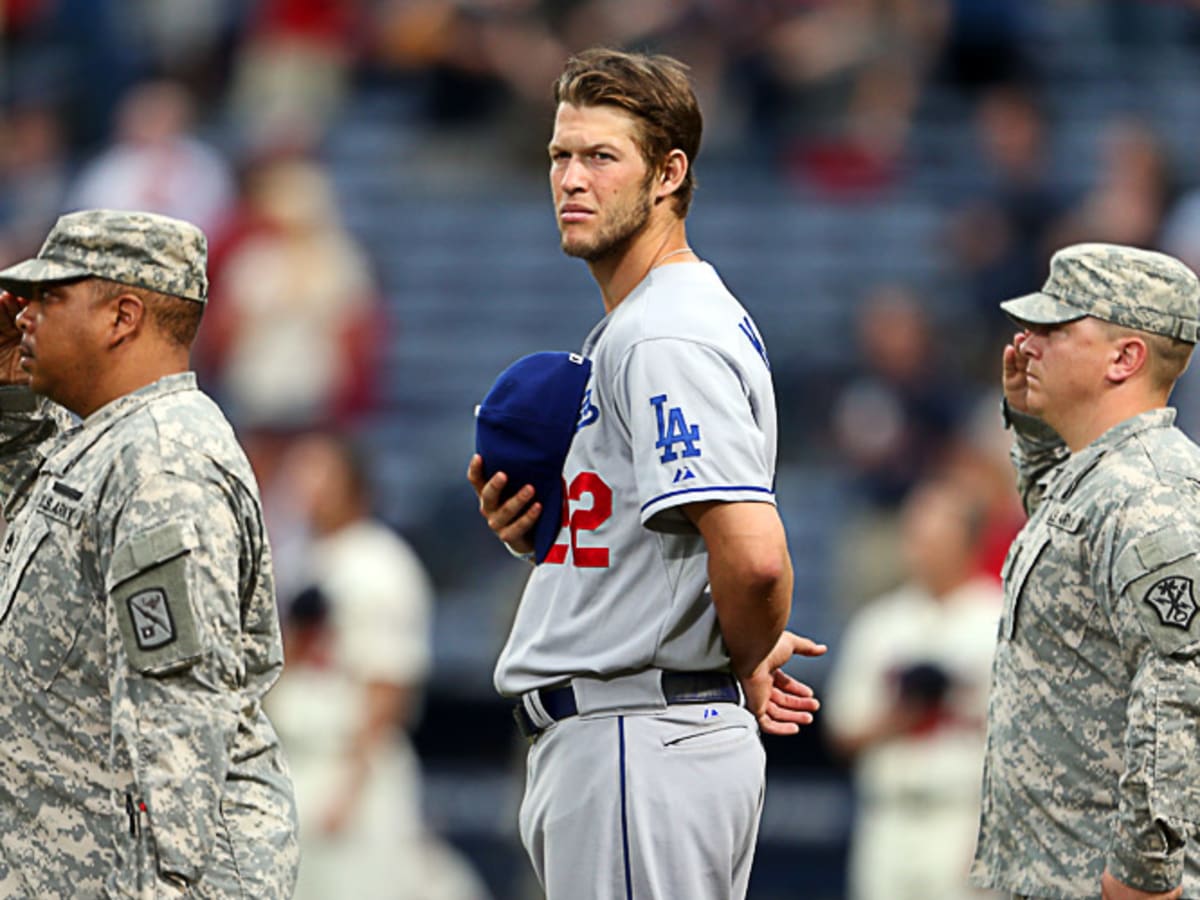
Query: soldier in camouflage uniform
x,y
138,631
1092,779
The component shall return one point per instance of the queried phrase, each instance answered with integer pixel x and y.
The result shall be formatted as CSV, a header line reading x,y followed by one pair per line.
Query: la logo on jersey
x,y
673,428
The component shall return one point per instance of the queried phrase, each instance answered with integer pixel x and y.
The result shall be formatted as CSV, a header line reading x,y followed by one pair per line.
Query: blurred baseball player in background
x,y
138,631
648,646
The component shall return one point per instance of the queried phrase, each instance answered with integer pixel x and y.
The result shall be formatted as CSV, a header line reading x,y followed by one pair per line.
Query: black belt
x,y
677,687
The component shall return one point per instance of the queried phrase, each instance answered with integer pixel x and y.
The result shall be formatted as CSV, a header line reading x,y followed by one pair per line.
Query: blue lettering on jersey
x,y
752,335
589,412
673,429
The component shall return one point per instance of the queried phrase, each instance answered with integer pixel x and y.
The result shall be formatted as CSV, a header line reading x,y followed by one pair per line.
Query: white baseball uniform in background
x,y
631,798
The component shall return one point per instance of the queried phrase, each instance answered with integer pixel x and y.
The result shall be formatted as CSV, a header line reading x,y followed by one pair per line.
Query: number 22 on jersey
x,y
578,518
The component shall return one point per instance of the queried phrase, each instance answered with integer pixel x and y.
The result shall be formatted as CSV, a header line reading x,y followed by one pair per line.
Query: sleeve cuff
x,y
1029,428
1152,872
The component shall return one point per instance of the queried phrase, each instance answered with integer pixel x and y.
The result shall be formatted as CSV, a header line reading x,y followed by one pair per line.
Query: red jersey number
x,y
579,518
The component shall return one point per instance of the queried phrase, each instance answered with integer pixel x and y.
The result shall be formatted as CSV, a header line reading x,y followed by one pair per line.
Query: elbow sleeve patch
x,y
148,588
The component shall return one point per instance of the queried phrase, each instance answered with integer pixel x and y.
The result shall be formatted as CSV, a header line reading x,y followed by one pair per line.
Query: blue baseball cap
x,y
525,426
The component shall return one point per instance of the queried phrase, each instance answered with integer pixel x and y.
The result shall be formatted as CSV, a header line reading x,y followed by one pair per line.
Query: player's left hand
x,y
1112,889
511,519
780,702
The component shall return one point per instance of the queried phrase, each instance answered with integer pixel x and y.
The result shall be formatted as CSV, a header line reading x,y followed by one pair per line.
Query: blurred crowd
x,y
220,113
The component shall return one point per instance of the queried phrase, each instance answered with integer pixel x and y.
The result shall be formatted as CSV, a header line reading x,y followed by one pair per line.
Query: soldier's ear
x,y
1129,356
127,314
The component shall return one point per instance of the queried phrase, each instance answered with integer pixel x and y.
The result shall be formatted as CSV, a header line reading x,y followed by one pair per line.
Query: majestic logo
x,y
752,335
589,412
1173,600
674,429
151,619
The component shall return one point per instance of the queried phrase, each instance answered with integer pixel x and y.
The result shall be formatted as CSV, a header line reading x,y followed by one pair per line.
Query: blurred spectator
x,y
982,465
181,39
1000,238
847,76
907,702
985,43
1133,190
292,71
33,179
155,164
294,328
895,418
356,640
893,422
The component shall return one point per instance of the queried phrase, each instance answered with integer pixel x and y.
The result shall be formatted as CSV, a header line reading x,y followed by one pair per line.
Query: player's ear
x,y
671,175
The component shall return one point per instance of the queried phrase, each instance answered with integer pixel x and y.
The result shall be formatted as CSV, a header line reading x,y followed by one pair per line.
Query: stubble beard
x,y
614,238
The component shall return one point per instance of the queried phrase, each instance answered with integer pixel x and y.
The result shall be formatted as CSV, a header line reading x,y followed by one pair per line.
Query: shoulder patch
x,y
1174,601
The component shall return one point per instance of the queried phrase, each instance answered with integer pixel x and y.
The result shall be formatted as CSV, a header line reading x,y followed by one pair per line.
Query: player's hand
x,y
780,702
1112,889
1016,385
10,340
511,520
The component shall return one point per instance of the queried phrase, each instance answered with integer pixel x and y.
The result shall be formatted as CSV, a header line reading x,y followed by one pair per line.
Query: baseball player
x,y
646,653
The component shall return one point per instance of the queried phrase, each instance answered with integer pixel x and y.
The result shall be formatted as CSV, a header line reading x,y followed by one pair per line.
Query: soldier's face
x,y
62,337
1065,368
601,183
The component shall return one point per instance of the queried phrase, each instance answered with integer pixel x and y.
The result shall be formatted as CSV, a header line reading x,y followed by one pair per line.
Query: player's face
x,y
1064,368
61,343
601,183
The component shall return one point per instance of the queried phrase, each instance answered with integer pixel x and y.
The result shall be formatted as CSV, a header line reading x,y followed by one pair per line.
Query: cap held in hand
x,y
525,426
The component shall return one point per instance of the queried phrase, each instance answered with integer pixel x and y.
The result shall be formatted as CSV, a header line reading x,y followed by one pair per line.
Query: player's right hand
x,y
1016,385
10,340
510,519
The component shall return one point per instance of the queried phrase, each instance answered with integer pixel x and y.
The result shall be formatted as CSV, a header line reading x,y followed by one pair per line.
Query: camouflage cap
x,y
135,248
1136,288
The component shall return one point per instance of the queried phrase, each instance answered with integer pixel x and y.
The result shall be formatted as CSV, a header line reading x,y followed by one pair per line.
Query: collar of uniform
x,y
1079,464
98,423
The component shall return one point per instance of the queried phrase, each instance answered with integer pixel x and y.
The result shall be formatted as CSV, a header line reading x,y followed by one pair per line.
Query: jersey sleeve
x,y
696,430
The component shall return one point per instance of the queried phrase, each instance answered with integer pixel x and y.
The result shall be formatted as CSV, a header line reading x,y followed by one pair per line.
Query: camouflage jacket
x,y
138,635
1093,750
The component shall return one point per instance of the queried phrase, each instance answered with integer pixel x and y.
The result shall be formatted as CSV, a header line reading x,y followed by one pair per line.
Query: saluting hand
x,y
10,340
1015,383
509,519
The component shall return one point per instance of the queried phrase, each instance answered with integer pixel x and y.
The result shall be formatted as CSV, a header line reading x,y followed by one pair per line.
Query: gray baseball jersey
x,y
680,408
138,634
1093,753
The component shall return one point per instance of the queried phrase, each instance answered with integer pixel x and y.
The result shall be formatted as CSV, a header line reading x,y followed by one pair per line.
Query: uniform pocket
x,y
1020,562
704,728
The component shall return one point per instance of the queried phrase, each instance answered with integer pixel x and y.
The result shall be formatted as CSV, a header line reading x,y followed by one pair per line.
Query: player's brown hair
x,y
655,90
